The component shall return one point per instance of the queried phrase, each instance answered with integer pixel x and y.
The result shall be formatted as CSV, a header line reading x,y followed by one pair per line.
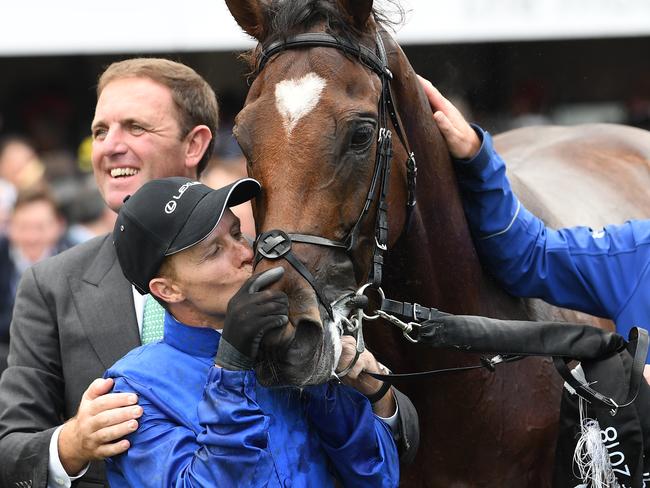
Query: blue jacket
x,y
604,273
209,427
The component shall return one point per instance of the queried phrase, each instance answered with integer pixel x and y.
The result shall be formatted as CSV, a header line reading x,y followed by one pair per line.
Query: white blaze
x,y
296,98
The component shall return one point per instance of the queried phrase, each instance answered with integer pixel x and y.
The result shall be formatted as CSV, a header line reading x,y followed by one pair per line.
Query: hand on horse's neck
x,y
438,249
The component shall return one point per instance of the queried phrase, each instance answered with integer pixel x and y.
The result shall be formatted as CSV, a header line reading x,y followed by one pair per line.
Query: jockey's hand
x,y
460,137
646,373
251,312
357,379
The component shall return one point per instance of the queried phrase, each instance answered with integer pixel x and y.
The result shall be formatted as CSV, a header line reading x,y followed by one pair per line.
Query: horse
x,y
313,129
590,174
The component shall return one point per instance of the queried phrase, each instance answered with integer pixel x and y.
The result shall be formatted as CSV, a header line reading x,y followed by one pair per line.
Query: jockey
x,y
604,273
206,420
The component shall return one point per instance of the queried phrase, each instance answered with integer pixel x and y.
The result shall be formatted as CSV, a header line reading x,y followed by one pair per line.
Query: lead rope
x,y
355,328
389,310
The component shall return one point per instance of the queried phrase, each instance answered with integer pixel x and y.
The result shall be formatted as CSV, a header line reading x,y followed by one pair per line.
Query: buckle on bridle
x,y
273,244
380,245
421,313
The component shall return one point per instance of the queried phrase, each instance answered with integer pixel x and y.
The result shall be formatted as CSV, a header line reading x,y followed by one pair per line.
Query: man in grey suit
x,y
75,313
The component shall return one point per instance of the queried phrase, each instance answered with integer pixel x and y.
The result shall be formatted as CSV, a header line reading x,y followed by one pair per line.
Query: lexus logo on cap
x,y
170,207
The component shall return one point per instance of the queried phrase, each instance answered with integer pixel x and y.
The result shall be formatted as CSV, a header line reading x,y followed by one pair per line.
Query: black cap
x,y
167,216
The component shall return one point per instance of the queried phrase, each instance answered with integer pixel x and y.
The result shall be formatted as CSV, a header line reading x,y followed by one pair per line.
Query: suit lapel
x,y
104,300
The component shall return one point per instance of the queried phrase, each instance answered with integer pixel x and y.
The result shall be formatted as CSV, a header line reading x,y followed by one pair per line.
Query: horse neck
x,y
435,261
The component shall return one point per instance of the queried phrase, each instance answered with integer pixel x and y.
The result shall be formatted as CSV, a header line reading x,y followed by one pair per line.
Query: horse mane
x,y
286,18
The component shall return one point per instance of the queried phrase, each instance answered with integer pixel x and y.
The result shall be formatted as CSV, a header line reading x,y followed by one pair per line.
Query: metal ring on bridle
x,y
361,291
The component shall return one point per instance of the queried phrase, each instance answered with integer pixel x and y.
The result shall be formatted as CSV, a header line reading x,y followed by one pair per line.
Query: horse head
x,y
311,131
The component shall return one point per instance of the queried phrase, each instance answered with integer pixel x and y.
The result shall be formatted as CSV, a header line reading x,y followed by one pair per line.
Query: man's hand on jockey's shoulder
x,y
99,428
462,140
646,373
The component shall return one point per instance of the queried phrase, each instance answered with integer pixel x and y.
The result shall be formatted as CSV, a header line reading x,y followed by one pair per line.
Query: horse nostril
x,y
308,334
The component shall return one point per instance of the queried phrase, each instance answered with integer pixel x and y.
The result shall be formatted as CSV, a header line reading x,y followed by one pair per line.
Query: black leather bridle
x,y
276,244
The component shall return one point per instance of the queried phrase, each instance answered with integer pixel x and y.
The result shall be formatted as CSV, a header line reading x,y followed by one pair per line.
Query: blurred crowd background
x,y
48,198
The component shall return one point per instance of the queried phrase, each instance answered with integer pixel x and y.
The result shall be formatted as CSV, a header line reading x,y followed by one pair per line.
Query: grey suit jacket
x,y
74,317
78,303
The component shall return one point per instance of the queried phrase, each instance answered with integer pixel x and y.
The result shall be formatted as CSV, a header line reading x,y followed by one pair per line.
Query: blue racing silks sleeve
x,y
359,445
228,448
604,272
206,426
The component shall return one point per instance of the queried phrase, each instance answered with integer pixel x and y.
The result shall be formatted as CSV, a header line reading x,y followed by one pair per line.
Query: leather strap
x,y
276,244
638,342
408,311
317,240
379,394
311,280
515,340
323,39
486,363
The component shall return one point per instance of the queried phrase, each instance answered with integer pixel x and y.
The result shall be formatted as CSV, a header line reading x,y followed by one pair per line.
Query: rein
x,y
517,340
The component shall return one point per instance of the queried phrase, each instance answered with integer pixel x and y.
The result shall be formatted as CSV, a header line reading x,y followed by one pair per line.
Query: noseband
x,y
276,244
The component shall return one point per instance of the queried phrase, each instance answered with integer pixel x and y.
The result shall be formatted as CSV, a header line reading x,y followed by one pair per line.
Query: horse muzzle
x,y
307,349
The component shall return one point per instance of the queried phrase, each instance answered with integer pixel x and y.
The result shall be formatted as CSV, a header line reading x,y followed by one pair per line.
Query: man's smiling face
x,y
136,138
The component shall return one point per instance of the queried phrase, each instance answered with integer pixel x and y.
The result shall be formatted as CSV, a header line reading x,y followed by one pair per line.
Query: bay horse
x,y
309,131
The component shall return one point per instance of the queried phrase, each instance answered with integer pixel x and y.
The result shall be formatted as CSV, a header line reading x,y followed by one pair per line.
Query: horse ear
x,y
359,10
249,14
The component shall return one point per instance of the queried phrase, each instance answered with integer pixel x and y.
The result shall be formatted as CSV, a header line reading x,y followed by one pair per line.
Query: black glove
x,y
250,314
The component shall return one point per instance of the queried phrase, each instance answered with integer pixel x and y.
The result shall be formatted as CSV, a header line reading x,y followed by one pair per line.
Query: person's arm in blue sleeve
x,y
231,449
359,444
594,272
572,267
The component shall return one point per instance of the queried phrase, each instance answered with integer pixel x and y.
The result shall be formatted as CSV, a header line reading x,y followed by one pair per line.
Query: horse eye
x,y
362,137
